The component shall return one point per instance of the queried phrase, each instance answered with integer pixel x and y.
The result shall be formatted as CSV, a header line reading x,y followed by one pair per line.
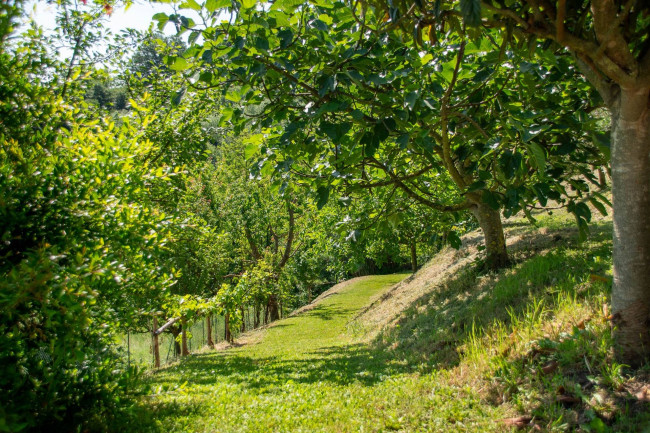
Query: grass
x,y
526,347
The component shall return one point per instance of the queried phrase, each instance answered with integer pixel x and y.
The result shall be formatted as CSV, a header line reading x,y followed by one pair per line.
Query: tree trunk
x,y
184,350
227,334
177,346
256,320
156,344
208,322
495,241
631,215
414,256
274,311
243,320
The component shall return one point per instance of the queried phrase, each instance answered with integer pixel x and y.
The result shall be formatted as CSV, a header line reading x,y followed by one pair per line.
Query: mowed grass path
x,y
307,373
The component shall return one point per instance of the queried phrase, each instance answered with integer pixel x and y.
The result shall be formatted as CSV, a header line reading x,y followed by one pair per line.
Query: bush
x,y
80,248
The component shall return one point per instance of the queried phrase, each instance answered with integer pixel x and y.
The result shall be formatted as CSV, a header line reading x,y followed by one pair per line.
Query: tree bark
x,y
414,256
175,330
274,311
156,343
184,350
208,323
631,215
227,334
243,319
256,323
495,241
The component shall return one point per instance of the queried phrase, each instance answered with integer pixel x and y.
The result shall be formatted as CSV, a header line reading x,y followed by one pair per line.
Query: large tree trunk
x,y
414,256
273,308
631,215
495,241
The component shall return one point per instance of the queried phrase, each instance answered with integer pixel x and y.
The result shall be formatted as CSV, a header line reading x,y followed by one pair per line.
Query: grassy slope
x,y
463,352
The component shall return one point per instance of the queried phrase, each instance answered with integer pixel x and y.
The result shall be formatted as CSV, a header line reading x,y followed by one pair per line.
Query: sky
x,y
137,16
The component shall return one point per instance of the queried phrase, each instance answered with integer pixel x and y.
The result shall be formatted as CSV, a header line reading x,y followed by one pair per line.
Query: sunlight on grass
x,y
472,352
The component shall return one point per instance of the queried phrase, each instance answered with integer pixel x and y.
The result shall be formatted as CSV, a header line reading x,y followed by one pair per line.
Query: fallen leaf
x,y
581,324
550,367
519,422
594,277
567,399
643,395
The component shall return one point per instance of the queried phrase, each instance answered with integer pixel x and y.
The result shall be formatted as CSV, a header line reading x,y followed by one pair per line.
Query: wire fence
x,y
138,347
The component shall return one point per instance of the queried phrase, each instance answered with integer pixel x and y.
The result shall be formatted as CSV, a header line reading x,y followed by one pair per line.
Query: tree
x,y
265,221
352,114
609,44
83,253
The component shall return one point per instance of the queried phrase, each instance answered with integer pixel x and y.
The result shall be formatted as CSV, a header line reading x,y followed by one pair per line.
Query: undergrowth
x,y
535,337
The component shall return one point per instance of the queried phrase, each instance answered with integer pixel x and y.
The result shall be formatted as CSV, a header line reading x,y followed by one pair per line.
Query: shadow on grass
x,y
340,365
432,330
328,312
429,335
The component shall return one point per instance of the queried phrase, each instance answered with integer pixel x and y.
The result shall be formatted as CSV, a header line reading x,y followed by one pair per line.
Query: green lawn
x,y
307,373
472,352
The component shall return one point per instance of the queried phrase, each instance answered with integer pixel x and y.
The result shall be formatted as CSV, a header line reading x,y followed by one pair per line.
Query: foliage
x,y
83,247
352,113
80,252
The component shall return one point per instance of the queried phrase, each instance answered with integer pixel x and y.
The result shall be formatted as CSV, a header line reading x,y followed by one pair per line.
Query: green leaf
x,y
323,195
162,19
179,64
250,150
335,131
190,4
403,141
247,4
479,184
538,156
357,114
598,205
327,84
286,36
213,5
261,43
319,25
598,426
410,99
491,199
177,98
471,11
454,240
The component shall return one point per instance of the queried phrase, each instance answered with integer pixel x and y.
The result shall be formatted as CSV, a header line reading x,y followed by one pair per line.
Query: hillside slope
x,y
447,349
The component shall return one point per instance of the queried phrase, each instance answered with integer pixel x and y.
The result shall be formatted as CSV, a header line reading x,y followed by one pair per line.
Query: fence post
x,y
156,343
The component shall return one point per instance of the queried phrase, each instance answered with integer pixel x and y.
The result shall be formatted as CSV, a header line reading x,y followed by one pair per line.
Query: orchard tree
x,y
263,219
608,42
340,99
